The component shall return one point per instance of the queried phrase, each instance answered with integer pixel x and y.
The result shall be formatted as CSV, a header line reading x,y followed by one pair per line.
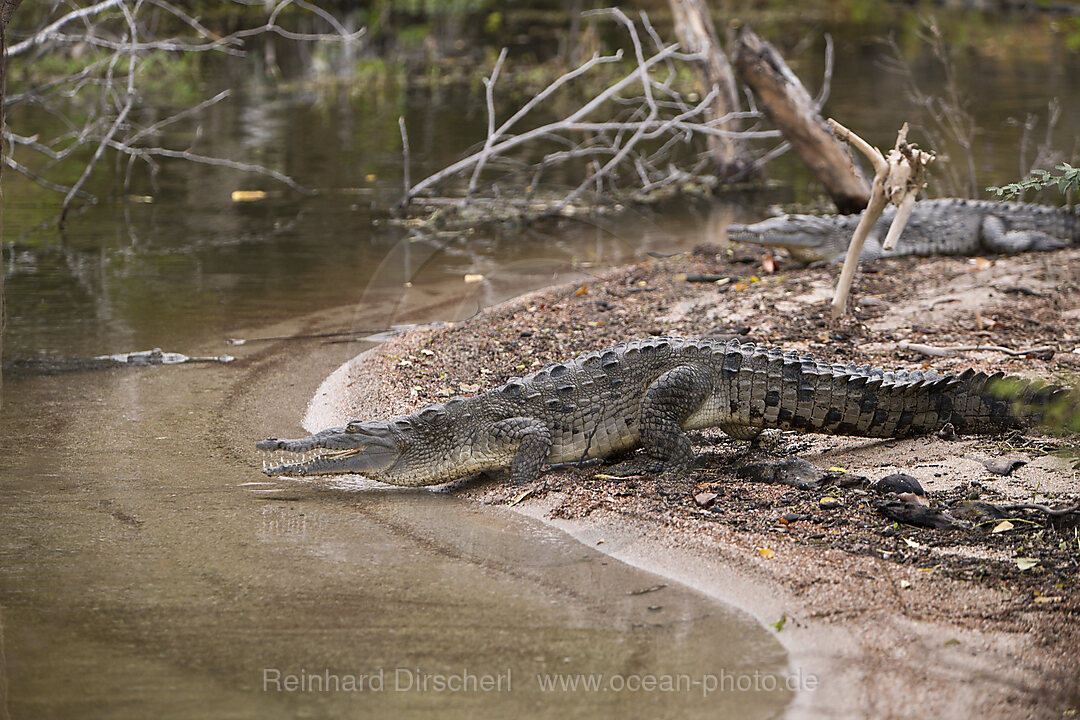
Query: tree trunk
x,y
696,33
790,107
7,9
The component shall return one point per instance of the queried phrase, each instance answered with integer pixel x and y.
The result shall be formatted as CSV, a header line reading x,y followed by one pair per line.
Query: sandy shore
x,y
890,622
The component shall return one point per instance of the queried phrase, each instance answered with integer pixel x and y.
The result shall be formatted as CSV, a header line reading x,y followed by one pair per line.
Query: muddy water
x,y
144,571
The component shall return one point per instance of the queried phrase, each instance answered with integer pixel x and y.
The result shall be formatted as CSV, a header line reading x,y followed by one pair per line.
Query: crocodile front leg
x,y
525,442
668,402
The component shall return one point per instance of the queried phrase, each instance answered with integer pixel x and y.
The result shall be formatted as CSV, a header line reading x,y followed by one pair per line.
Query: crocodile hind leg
x,y
998,238
668,402
528,441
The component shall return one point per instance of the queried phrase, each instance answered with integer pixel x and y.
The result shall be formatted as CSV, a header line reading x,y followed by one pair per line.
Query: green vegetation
x,y
1066,181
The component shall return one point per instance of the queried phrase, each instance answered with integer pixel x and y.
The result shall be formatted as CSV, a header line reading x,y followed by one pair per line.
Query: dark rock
x,y
978,511
844,479
1004,466
919,516
795,472
897,483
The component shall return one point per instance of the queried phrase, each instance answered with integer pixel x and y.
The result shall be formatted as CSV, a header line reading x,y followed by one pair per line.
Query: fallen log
x,y
789,106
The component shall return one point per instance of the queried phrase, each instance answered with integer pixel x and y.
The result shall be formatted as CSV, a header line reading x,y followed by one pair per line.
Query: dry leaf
x,y
248,195
1026,563
521,496
766,553
583,290
1002,526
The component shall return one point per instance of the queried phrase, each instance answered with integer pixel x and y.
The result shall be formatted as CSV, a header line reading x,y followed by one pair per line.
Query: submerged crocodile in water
x,y
946,226
646,393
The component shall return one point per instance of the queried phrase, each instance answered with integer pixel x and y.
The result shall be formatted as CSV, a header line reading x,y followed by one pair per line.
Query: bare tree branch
x,y
650,136
99,105
117,123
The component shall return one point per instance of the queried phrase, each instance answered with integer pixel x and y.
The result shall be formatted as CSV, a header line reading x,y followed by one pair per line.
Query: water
x,y
141,574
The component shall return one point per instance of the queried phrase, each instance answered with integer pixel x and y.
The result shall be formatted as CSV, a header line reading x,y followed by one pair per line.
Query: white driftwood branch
x,y
936,351
897,179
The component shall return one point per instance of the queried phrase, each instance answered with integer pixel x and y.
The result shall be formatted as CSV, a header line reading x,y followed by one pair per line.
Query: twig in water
x,y
406,162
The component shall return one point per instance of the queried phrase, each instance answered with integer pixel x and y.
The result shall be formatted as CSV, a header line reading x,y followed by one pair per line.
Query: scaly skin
x,y
937,227
646,393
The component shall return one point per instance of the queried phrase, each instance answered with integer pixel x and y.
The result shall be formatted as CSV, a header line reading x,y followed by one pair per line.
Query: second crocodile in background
x,y
947,226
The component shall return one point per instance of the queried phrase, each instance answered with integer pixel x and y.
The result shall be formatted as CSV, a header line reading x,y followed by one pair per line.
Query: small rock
x,y
794,517
897,483
1004,466
844,479
795,472
704,499
913,498
918,515
829,503
978,511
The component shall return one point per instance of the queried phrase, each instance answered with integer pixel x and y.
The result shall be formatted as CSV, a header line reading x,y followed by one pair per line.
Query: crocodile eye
x,y
353,427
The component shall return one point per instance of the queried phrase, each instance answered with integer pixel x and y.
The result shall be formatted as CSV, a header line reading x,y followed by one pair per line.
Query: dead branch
x,y
695,30
949,351
644,143
897,179
405,151
789,106
947,119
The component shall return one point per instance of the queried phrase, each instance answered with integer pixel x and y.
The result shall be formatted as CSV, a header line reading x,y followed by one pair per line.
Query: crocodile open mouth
x,y
313,462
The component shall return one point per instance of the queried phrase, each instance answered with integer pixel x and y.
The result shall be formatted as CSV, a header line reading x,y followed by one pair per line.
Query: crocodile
x,y
647,393
947,226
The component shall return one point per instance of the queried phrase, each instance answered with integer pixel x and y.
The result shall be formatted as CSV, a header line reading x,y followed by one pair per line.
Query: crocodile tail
x,y
768,388
992,403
